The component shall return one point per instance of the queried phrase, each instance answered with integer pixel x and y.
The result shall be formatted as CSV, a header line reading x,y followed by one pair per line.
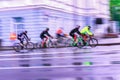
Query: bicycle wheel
x,y
30,46
17,47
51,44
39,45
93,42
69,43
80,43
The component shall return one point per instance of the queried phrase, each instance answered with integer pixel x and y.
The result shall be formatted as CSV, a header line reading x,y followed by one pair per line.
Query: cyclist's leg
x,y
74,39
22,43
45,38
72,35
84,36
42,43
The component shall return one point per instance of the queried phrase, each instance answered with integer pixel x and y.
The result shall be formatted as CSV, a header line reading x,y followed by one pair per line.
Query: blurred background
x,y
68,63
35,15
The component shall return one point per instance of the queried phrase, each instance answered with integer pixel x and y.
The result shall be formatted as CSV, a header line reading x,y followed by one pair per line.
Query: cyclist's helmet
x,y
47,29
89,26
78,26
25,31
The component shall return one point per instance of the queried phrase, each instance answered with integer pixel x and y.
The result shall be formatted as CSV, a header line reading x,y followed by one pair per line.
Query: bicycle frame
x,y
89,40
17,46
47,43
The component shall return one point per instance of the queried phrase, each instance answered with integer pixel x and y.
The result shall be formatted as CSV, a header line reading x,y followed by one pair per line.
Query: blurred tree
x,y
115,10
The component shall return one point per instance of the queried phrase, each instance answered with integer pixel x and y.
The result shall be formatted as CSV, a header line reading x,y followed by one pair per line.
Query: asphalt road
x,y
99,63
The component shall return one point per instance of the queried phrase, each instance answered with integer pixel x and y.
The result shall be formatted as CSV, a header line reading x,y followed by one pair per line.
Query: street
x,y
61,64
29,24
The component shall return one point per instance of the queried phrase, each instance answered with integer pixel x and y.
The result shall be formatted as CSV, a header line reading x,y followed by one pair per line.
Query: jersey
x,y
44,33
75,30
85,30
22,36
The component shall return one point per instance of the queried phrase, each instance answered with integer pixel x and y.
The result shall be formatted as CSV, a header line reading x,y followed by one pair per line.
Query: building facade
x,y
35,15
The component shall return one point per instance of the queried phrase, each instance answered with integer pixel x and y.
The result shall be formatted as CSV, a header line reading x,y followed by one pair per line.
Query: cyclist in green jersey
x,y
85,32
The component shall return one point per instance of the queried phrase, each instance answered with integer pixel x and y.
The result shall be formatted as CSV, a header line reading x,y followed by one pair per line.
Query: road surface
x,y
100,63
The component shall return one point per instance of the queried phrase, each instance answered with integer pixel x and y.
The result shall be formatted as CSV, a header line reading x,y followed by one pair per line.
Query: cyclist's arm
x,y
89,32
26,37
78,32
48,34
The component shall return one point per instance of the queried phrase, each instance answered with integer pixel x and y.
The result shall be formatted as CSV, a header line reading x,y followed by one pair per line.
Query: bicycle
x,y
51,43
28,46
70,42
48,44
62,41
38,44
91,41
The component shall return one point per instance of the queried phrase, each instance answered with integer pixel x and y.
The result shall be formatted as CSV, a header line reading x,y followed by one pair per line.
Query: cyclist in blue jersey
x,y
23,36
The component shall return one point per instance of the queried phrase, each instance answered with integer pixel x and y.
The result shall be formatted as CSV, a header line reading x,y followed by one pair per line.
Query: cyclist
x,y
85,32
73,35
23,36
60,33
44,36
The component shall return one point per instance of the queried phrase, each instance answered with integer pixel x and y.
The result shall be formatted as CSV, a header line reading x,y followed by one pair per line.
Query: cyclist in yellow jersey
x,y
85,32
